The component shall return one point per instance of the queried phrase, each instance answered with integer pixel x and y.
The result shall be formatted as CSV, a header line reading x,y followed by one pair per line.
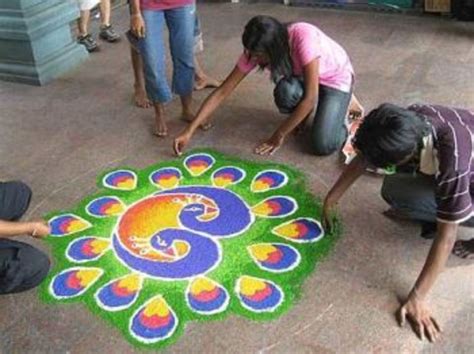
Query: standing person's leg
x,y
329,130
201,79
84,37
83,22
105,11
22,267
152,50
107,32
141,98
180,23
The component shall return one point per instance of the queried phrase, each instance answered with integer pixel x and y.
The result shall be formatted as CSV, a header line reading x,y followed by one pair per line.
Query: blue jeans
x,y
414,195
329,131
180,22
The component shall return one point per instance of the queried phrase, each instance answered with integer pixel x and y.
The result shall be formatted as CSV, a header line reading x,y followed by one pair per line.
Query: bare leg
x,y
187,113
105,12
83,22
201,80
141,98
161,130
107,32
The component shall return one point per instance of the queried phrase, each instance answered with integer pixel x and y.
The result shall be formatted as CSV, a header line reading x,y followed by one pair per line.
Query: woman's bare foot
x,y
161,129
201,83
206,126
356,110
141,98
464,248
189,117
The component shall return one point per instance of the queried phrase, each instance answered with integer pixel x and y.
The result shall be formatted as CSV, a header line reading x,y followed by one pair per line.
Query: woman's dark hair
x,y
267,35
391,134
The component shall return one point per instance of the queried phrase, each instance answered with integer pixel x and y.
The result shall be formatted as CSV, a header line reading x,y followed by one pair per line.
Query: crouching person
x,y
432,148
22,266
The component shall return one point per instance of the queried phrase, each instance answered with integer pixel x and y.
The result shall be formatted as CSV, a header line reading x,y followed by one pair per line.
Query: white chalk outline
x,y
51,290
300,240
204,171
222,308
156,340
69,258
107,185
89,225
295,209
295,264
271,309
284,183
166,168
118,308
244,175
124,206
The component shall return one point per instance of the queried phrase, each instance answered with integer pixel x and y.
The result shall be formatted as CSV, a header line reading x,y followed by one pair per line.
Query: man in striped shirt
x,y
433,149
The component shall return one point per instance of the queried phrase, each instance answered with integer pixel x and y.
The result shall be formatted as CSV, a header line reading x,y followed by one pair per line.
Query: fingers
x,y
265,149
177,147
260,148
438,327
430,332
40,229
419,317
134,28
274,149
419,330
326,219
138,29
402,318
432,329
327,225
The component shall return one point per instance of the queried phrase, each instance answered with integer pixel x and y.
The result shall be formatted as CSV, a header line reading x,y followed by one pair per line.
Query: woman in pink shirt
x,y
147,21
310,70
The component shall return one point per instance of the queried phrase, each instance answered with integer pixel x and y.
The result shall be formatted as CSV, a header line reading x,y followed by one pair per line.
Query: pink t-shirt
x,y
163,4
308,42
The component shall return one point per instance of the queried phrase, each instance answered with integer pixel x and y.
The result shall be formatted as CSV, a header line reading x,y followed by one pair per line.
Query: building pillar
x,y
36,43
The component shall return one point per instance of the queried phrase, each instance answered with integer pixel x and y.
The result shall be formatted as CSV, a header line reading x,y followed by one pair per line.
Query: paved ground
x,y
57,138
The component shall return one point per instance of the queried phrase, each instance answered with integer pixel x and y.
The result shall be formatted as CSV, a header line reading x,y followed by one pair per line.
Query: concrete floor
x,y
59,137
